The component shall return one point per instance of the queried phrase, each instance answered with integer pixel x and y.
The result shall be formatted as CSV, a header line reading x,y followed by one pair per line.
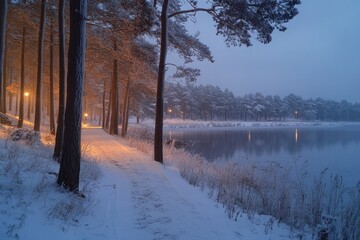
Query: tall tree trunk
x,y
125,104
61,113
3,15
109,111
51,87
40,68
45,102
91,114
85,106
103,106
10,94
127,107
4,80
32,103
114,123
71,151
22,81
10,101
158,141
16,103
28,107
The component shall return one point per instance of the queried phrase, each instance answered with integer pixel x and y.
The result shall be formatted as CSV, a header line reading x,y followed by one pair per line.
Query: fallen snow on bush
x,y
32,205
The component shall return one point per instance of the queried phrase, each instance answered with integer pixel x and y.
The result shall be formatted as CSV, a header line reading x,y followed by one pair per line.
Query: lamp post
x,y
85,119
296,113
170,111
27,95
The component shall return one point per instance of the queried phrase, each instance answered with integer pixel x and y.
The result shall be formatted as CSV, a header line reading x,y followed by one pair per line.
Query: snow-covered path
x,y
146,200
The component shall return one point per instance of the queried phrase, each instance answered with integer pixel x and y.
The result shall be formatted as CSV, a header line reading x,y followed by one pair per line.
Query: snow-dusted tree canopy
x,y
211,103
239,21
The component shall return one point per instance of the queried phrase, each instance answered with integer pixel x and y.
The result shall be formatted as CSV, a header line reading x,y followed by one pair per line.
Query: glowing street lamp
x,y
296,114
170,111
27,94
85,120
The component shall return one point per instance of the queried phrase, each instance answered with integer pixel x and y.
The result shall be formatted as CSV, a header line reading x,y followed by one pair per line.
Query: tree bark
x,y
71,151
3,15
61,112
114,123
103,106
108,112
10,94
51,87
124,110
16,103
127,114
22,81
28,107
4,80
40,68
158,141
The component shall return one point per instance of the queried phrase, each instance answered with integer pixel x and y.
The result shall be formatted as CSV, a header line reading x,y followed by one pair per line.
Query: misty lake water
x,y
336,149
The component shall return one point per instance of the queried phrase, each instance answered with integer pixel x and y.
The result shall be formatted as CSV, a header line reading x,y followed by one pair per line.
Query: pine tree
x,y
71,151
61,113
40,67
3,15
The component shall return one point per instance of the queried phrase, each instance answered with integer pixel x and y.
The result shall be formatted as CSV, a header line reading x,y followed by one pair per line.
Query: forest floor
x,y
128,196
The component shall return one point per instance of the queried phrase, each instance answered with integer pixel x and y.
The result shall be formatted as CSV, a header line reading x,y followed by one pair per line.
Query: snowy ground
x,y
128,196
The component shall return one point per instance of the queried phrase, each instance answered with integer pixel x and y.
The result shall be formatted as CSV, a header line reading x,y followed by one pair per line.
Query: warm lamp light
x,y
26,94
85,114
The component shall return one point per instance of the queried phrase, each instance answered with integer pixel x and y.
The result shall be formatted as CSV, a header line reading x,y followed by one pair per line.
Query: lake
x,y
310,149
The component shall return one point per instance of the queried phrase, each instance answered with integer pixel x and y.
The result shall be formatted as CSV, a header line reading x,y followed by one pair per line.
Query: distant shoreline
x,y
181,124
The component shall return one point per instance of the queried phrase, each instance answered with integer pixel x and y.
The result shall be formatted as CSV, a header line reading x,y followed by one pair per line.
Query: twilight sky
x,y
318,55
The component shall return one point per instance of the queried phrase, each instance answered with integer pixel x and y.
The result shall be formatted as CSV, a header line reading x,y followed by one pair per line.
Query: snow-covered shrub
x,y
29,137
28,181
43,185
89,173
71,207
141,138
5,119
326,230
141,133
350,215
317,199
48,139
85,149
269,190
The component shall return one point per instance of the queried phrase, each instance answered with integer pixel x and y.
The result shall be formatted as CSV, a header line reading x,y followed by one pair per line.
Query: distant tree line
x,y
188,101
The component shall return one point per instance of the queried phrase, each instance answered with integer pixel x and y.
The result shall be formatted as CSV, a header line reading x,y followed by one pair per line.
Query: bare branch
x,y
208,10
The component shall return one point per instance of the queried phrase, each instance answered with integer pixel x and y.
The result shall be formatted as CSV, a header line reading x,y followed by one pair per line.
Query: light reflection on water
x,y
317,147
